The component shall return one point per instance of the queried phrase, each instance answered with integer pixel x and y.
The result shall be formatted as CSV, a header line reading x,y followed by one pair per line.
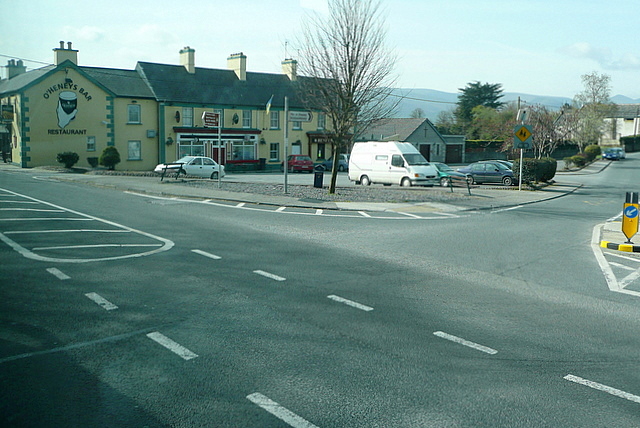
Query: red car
x,y
298,163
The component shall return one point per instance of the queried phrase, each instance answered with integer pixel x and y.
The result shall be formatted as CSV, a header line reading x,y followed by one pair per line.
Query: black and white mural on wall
x,y
67,108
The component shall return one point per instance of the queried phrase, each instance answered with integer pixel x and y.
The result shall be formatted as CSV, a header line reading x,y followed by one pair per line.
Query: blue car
x,y
614,153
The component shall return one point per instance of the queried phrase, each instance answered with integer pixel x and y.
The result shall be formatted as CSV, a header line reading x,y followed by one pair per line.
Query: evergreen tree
x,y
477,94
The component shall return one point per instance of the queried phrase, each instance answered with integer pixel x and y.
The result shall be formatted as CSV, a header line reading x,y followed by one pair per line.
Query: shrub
x,y
93,161
579,160
69,159
528,170
592,152
549,166
110,157
535,170
568,161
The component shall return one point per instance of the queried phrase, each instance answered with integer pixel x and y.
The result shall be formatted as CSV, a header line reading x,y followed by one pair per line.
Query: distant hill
x,y
433,102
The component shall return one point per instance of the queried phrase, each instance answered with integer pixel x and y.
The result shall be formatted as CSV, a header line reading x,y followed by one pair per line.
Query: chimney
x,y
238,63
15,68
61,54
290,68
188,59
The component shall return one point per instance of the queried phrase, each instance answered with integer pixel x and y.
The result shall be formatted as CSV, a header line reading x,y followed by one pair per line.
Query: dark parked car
x,y
298,163
343,163
489,172
445,172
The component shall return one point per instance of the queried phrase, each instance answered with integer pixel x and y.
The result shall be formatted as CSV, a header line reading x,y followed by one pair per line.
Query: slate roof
x,y
122,83
626,111
173,83
15,84
391,129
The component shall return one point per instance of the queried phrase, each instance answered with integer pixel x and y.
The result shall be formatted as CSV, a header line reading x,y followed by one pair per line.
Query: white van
x,y
390,162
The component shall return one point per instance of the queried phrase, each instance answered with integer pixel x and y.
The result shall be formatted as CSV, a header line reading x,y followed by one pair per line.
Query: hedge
x,y
535,170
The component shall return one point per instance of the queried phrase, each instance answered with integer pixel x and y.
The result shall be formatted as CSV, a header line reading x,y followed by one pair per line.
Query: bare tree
x,y
547,130
349,69
417,113
592,106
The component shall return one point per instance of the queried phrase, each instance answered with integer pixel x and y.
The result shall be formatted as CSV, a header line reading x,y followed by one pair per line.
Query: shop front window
x,y
243,150
191,148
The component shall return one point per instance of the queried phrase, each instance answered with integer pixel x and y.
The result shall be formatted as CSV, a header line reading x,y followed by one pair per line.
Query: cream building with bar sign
x,y
154,113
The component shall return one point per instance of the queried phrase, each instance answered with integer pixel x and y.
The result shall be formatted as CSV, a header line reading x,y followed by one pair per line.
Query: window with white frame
x,y
134,151
296,124
243,150
133,113
322,121
246,118
187,116
91,144
274,151
274,122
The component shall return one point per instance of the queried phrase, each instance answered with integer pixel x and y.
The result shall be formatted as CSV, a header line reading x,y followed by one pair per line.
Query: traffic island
x,y
629,248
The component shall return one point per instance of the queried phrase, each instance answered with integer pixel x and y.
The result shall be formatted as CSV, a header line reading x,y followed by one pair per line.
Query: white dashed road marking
x,y
464,342
350,303
389,215
204,253
604,388
174,347
107,305
269,275
58,273
278,411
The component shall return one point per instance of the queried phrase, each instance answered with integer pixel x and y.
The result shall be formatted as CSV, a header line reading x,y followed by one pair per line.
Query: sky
x,y
539,47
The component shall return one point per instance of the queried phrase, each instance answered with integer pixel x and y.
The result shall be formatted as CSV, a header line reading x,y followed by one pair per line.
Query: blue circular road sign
x,y
631,212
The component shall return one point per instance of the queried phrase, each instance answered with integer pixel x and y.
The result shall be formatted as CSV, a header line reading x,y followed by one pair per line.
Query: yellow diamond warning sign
x,y
522,137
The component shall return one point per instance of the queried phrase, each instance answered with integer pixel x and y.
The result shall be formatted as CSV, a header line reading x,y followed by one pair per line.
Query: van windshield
x,y
415,159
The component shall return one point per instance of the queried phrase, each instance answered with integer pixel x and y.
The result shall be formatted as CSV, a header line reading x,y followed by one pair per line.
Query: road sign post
x,y
521,140
630,216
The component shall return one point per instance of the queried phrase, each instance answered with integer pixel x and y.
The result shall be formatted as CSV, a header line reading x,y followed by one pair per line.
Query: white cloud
x,y
627,62
588,51
86,33
152,33
603,56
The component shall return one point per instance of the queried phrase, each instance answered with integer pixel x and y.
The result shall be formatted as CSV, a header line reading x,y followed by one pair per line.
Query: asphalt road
x,y
120,310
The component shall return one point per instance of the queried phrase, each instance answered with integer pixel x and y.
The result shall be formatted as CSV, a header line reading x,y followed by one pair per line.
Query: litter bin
x,y
318,176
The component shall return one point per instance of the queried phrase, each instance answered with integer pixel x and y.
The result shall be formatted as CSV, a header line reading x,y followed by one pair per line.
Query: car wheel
x,y
445,181
405,182
507,181
341,168
214,175
364,180
469,180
